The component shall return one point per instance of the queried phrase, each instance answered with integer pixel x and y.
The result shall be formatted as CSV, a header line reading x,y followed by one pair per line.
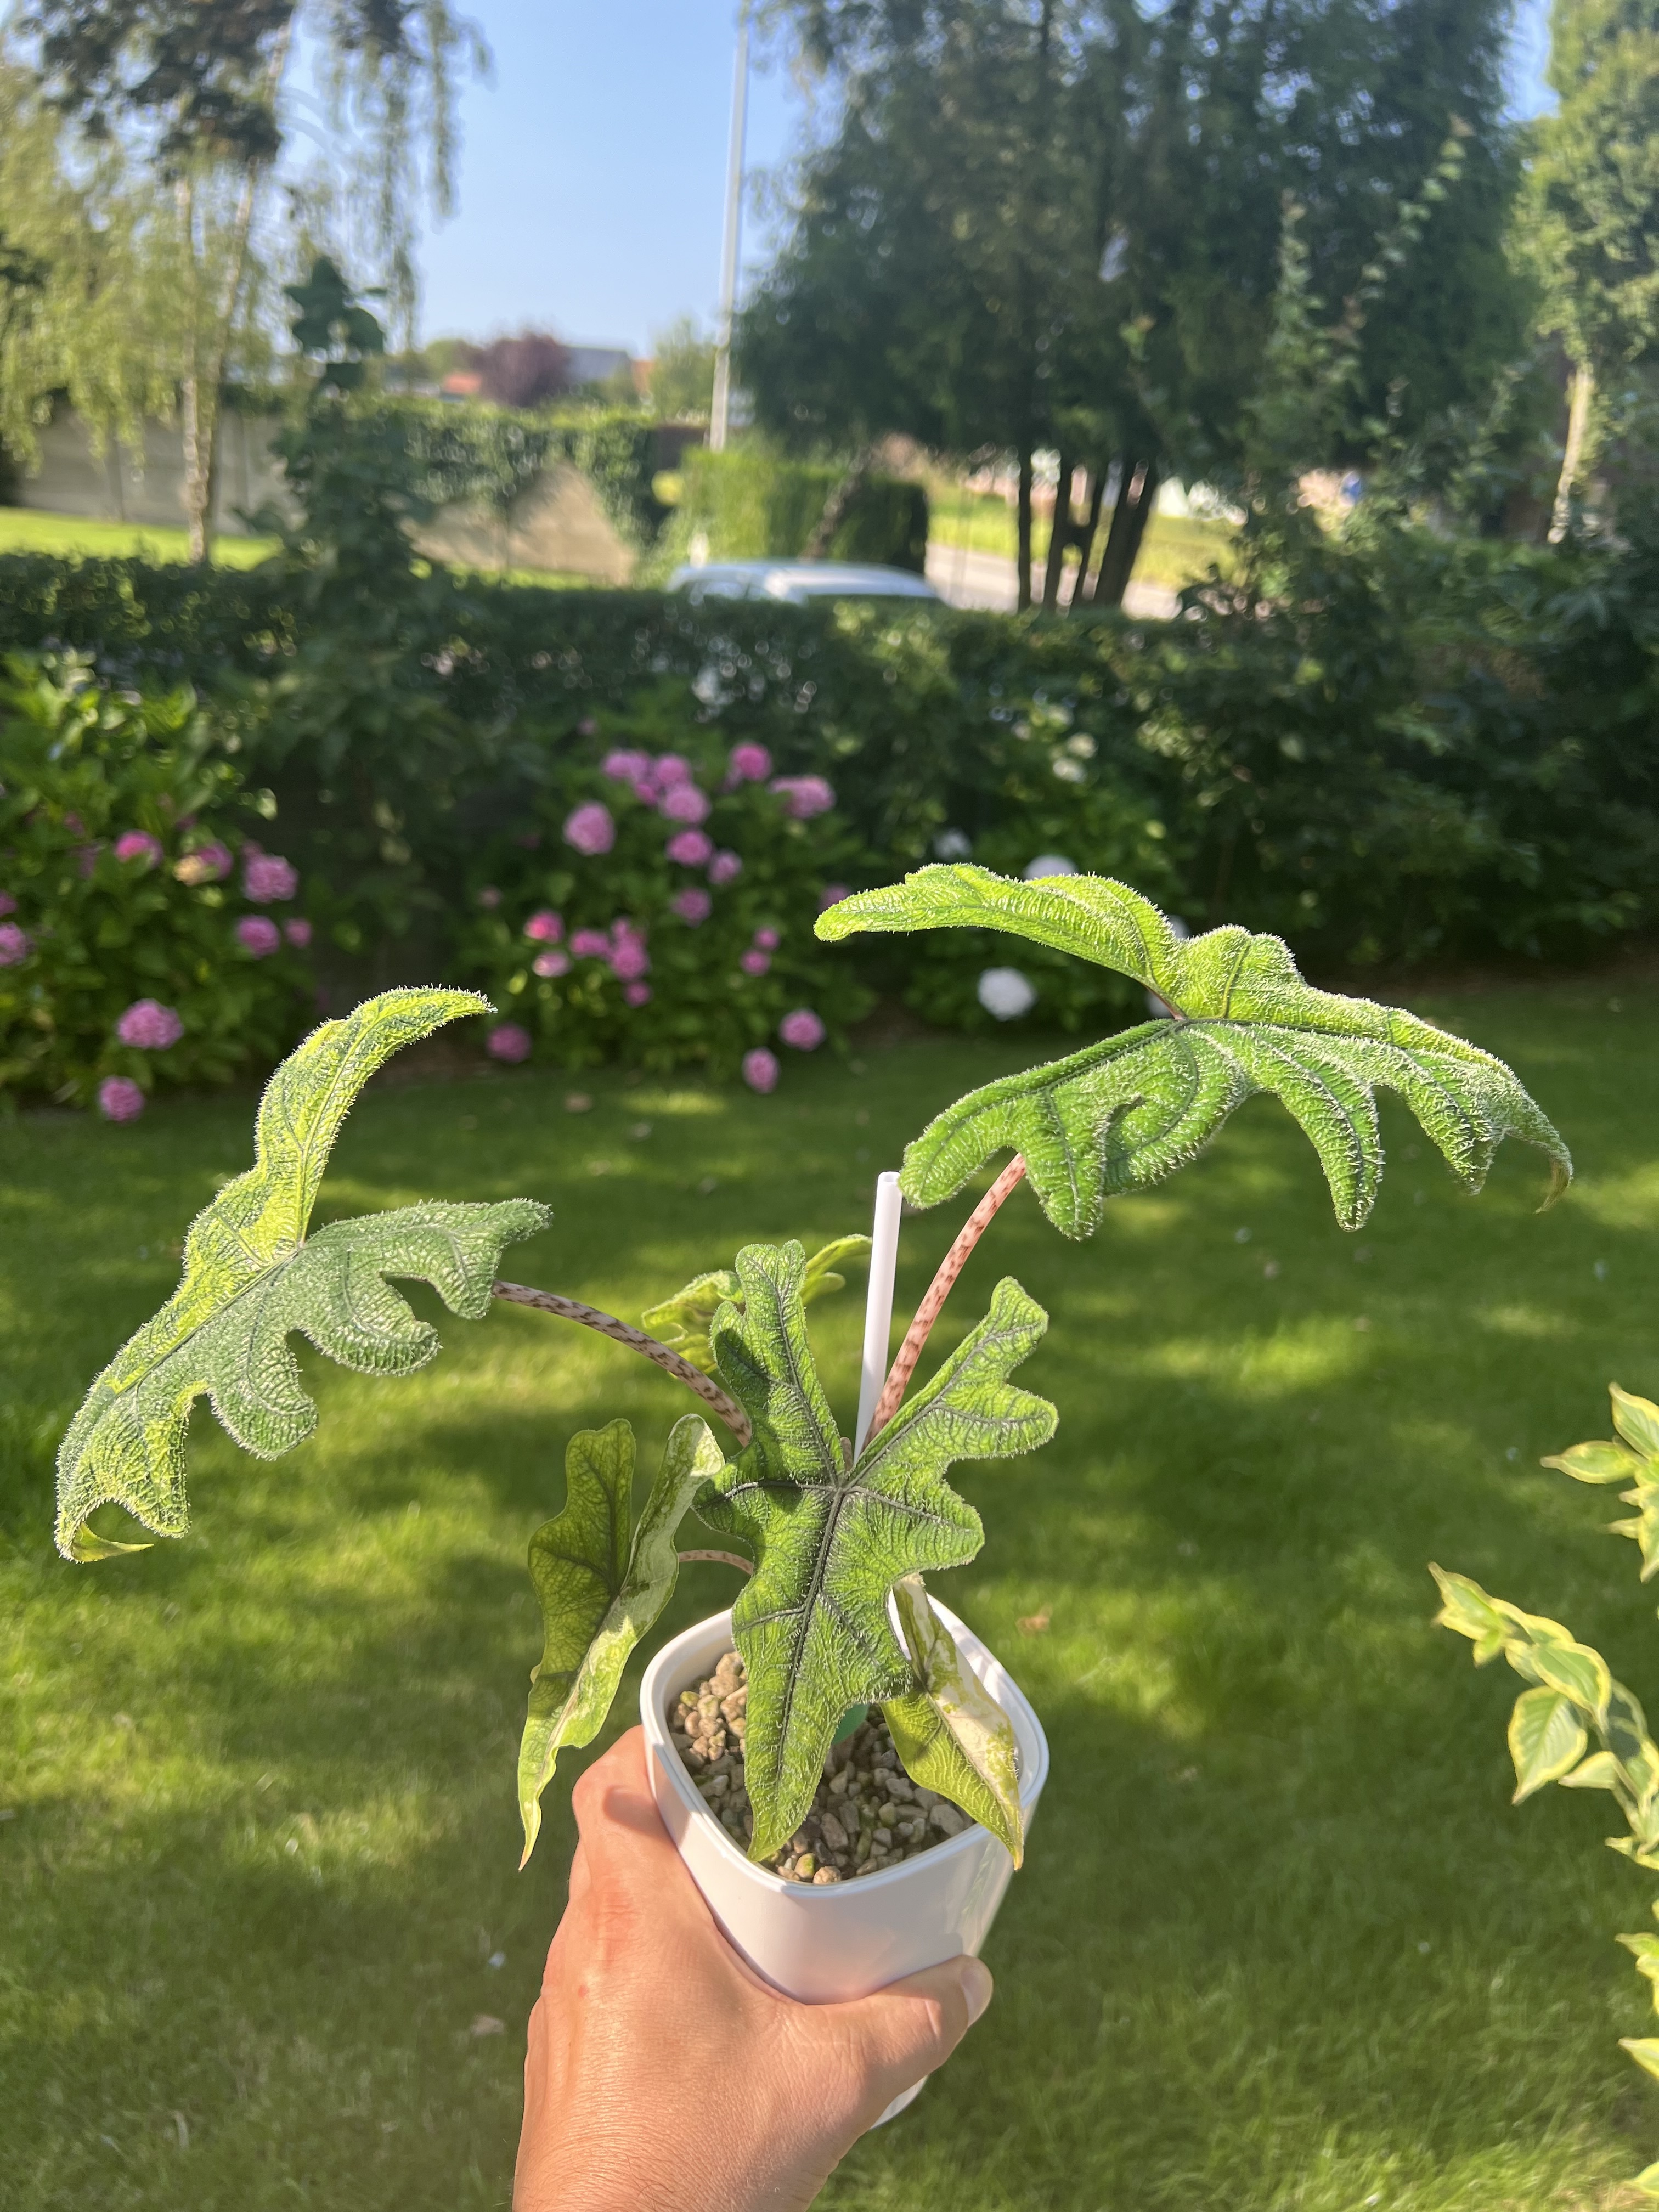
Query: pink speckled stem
x,y
636,1340
898,1376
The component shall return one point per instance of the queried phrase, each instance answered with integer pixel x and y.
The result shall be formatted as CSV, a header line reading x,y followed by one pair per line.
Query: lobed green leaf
x,y
252,1280
830,1537
1125,1113
602,1581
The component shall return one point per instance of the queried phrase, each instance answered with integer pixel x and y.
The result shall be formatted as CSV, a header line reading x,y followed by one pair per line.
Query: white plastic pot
x,y
843,1939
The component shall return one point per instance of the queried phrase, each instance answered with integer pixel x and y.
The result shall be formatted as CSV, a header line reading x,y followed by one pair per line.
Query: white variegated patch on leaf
x,y
950,1732
253,1281
1125,1113
602,1580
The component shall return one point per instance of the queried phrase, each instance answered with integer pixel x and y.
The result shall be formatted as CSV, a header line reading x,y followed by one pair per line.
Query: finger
x,y
908,2030
623,1841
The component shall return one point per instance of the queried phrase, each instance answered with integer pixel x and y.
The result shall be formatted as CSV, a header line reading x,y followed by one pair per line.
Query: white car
x,y
795,582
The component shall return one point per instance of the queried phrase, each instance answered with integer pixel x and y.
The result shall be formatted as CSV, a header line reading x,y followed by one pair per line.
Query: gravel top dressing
x,y
867,1814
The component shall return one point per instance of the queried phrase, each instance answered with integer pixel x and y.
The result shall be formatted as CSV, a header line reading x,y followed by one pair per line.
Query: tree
x,y
526,371
1591,216
682,372
1057,222
193,93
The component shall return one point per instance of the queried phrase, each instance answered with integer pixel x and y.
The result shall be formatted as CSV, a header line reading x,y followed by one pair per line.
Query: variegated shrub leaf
x,y
602,1581
950,1732
683,1322
252,1280
829,1535
1634,1460
1125,1113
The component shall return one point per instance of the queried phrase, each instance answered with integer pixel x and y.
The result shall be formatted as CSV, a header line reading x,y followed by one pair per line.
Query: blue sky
x,y
593,174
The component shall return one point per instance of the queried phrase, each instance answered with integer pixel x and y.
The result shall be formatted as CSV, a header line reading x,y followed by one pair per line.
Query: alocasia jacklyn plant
x,y
837,1534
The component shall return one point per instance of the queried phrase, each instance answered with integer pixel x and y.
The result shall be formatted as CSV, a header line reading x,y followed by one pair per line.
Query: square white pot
x,y
844,1939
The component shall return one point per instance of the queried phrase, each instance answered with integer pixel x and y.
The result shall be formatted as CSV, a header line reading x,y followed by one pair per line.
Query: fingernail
x,y
976,1987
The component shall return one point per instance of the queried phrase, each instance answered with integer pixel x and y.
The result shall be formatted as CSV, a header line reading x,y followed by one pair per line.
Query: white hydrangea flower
x,y
1051,864
1006,993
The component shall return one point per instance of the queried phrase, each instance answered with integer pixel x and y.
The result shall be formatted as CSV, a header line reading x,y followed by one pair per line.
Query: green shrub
x,y
125,868
750,504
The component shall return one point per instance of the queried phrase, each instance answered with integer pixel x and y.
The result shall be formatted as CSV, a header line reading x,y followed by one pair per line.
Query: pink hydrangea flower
x,y
768,940
683,802
694,906
85,857
755,963
832,895
760,1069
298,932
749,763
209,864
629,959
7,903
802,1028
590,944
647,792
258,936
510,1041
591,829
725,868
119,1099
587,727
149,1026
546,927
690,848
267,877
551,964
15,945
670,768
803,796
489,898
138,845
625,767
638,994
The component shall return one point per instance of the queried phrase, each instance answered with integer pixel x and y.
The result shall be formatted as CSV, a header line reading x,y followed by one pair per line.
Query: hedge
x,y
1440,749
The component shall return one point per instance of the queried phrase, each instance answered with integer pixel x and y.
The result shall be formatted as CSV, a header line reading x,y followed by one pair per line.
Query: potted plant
x,y
848,1773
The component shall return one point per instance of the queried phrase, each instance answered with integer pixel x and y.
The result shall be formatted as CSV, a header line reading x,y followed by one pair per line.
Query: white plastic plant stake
x,y
878,1309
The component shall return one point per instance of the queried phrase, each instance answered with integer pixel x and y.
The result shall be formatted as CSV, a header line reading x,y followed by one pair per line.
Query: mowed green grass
x,y
35,530
1281,1942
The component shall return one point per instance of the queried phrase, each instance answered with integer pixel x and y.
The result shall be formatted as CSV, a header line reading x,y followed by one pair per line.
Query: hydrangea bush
x,y
146,937
658,905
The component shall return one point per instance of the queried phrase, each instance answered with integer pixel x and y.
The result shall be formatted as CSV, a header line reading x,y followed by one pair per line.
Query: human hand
x,y
663,2074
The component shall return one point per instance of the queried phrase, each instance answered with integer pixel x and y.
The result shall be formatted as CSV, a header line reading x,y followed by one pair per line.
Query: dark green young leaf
x,y
951,1733
683,1322
602,1582
1125,1113
830,1540
251,1279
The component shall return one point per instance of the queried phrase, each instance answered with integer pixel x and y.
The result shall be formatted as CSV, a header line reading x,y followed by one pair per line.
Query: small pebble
x,y
867,1814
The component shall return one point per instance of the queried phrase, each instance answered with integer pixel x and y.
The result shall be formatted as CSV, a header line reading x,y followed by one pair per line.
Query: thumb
x,y
901,2033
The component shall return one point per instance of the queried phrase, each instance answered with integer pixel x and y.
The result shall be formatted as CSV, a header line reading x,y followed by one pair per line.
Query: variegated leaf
x,y
602,1582
952,1734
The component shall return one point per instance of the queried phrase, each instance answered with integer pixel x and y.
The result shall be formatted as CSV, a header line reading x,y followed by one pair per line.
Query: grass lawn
x,y
1281,1942
32,530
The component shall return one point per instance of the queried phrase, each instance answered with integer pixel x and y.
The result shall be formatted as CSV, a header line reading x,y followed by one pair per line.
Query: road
x,y
986,579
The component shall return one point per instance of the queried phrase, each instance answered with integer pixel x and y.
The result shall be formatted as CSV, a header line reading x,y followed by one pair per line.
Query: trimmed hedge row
x,y
1436,750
